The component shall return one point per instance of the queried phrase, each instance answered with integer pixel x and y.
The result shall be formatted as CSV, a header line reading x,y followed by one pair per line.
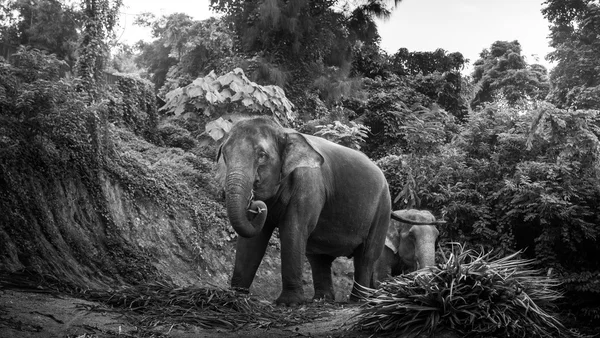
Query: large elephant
x,y
327,201
409,244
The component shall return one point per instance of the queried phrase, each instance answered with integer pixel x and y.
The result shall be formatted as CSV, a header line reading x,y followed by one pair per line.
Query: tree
x,y
401,119
515,179
437,75
122,59
296,39
405,62
575,37
9,31
502,72
185,49
49,25
99,19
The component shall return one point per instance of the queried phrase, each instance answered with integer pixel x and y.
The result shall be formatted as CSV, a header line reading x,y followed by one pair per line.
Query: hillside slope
x,y
139,213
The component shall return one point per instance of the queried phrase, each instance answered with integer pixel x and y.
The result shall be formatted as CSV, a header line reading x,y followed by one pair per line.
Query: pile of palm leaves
x,y
160,303
471,293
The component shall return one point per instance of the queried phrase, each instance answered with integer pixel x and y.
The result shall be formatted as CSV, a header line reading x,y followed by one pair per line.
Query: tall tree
x,y
185,49
100,16
50,25
405,62
291,35
502,72
437,75
575,37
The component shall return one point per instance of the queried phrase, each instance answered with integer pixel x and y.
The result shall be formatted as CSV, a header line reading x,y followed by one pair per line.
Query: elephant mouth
x,y
254,207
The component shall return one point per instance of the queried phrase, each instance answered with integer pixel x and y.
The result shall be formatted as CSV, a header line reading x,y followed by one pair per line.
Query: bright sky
x,y
465,26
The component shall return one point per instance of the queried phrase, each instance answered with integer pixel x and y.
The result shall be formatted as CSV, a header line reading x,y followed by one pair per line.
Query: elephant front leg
x,y
386,266
321,272
293,246
248,255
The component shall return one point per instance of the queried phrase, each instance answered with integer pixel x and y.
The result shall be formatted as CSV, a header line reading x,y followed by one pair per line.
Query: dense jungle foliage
x,y
509,155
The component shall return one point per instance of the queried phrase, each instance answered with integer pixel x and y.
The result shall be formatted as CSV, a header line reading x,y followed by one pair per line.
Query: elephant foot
x,y
290,298
241,290
326,295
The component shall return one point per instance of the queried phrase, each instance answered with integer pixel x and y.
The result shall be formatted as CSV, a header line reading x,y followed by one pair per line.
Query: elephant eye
x,y
262,157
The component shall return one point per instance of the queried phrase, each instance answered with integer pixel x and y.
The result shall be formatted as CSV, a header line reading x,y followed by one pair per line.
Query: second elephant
x,y
409,244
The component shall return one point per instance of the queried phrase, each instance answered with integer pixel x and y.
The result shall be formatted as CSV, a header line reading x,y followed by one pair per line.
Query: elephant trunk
x,y
426,258
246,216
425,251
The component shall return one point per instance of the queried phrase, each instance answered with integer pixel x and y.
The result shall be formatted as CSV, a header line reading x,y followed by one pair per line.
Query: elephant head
x,y
255,158
411,240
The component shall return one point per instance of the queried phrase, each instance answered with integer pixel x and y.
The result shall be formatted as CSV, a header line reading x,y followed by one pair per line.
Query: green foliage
x,y
350,136
48,132
558,189
306,46
50,25
446,89
173,135
405,62
99,18
299,30
475,294
401,119
514,179
334,84
132,103
370,61
433,74
583,289
212,95
185,49
574,36
502,72
122,60
34,101
156,61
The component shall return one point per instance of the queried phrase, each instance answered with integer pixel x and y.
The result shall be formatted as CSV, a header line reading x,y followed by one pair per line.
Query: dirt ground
x,y
44,315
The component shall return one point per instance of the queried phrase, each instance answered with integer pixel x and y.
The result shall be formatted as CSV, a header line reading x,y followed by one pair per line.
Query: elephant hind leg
x,y
367,254
321,272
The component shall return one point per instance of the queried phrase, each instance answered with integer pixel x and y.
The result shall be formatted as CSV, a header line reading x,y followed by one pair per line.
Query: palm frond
x,y
473,293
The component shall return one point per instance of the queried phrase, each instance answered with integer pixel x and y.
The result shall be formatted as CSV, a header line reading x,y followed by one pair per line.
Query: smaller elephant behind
x,y
409,244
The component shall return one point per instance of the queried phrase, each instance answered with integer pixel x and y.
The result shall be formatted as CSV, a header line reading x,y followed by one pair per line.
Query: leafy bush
x,y
211,94
173,135
516,179
132,103
475,294
36,103
401,119
350,136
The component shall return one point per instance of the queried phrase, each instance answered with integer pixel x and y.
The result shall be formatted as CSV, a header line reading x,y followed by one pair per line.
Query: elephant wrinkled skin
x,y
327,201
408,246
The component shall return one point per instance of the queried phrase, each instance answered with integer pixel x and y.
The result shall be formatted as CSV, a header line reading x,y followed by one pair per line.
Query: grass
x,y
471,293
161,303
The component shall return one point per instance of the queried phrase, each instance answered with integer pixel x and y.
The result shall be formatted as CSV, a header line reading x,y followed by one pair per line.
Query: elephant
x,y
326,200
409,244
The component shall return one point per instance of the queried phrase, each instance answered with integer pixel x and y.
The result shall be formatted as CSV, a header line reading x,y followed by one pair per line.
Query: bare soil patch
x,y
43,314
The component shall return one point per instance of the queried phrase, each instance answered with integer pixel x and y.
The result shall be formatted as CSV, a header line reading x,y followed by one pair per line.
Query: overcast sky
x,y
465,26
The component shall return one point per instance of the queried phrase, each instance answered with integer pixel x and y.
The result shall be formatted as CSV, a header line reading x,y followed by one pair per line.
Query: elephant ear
x,y
299,152
220,170
392,238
